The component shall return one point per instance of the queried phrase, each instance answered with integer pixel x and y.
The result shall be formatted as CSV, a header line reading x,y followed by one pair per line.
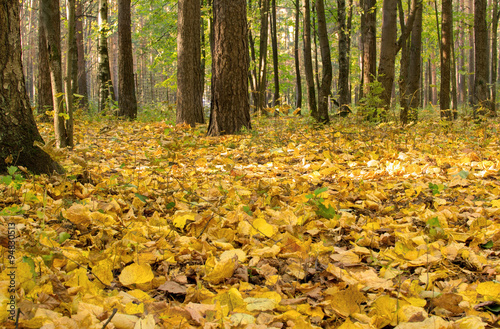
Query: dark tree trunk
x,y
369,44
326,80
311,93
106,92
52,24
446,23
298,81
81,69
414,75
44,100
70,55
274,41
494,58
189,92
344,53
481,88
126,84
230,64
19,131
262,83
388,50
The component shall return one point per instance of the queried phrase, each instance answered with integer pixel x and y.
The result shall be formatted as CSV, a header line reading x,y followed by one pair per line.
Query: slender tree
x,y
311,93
344,52
71,53
481,88
44,100
326,80
274,42
189,74
81,67
412,89
446,35
127,102
298,80
230,110
106,92
19,131
369,44
262,83
52,28
494,57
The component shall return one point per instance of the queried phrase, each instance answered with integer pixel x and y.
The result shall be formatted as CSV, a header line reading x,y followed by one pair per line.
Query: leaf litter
x,y
349,226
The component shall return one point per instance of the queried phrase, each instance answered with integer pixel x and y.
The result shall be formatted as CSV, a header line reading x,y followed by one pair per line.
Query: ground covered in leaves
x,y
285,226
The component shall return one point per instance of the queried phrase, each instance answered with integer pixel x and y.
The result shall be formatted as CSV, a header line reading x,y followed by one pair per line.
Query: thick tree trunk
x,y
106,92
326,80
446,23
481,88
388,52
230,64
298,80
262,83
52,22
19,130
311,93
494,58
414,75
127,102
44,100
189,92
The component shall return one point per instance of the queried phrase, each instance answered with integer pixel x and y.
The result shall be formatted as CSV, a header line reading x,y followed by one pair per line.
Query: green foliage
x,y
13,178
436,189
371,105
318,202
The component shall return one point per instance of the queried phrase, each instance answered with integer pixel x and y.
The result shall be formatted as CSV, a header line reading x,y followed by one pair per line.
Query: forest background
x,y
363,223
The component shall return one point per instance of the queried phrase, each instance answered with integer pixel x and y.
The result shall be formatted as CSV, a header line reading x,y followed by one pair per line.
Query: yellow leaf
x,y
490,290
495,203
104,271
242,256
133,308
222,270
262,226
136,274
180,220
78,214
260,304
240,319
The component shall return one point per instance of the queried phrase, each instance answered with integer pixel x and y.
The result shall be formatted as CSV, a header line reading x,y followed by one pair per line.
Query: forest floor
x,y
284,226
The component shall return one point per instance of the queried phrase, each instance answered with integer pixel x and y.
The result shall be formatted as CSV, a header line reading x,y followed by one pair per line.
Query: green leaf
x,y
12,170
495,308
487,245
6,180
247,210
433,222
63,236
170,205
31,263
325,212
141,197
320,190
464,174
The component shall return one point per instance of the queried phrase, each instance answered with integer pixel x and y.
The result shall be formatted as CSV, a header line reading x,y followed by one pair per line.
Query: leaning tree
x,y
18,130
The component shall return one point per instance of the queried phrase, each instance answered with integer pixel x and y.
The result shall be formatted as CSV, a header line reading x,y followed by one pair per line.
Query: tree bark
x,y
70,55
81,69
494,58
230,64
127,102
52,22
414,75
274,42
262,83
388,52
298,80
326,80
369,44
19,130
106,92
344,54
446,23
44,100
189,92
481,88
311,93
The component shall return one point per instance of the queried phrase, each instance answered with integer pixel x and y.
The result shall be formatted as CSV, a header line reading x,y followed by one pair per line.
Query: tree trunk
x,y
444,94
413,90
298,80
106,92
52,22
471,55
481,88
44,100
326,80
388,52
494,58
369,44
230,64
70,55
311,93
126,84
81,69
344,54
189,92
262,83
19,130
274,41
253,76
